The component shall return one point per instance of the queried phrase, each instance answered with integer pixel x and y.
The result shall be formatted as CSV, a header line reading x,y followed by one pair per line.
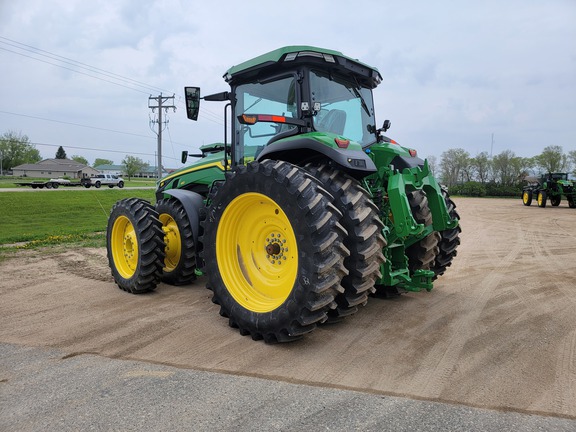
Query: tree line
x,y
480,175
500,175
16,149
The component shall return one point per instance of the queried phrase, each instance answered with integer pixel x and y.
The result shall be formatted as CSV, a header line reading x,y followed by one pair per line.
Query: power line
x,y
74,70
75,63
205,113
76,124
87,126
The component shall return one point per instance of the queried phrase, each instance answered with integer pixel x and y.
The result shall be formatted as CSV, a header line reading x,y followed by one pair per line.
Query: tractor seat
x,y
334,122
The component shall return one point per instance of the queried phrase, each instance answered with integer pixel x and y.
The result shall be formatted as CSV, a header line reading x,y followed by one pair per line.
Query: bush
x,y
496,190
477,189
471,188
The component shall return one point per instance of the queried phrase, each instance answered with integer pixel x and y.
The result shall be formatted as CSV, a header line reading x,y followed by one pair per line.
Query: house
x,y
146,172
110,169
52,168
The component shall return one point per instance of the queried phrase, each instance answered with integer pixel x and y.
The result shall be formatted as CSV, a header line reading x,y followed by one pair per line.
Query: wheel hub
x,y
275,248
129,249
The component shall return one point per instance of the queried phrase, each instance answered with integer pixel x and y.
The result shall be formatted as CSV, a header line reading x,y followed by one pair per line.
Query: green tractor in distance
x,y
549,186
306,211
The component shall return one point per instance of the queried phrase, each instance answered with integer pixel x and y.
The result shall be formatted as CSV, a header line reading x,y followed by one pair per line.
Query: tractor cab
x,y
298,104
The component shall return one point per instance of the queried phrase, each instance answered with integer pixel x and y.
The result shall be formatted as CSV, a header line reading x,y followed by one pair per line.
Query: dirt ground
x,y
498,330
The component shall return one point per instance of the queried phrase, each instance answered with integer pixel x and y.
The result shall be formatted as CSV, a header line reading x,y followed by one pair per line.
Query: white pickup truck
x,y
105,179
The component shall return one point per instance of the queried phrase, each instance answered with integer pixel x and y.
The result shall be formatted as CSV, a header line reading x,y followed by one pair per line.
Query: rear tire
x,y
542,199
555,201
422,254
449,239
527,197
180,250
364,240
273,251
135,245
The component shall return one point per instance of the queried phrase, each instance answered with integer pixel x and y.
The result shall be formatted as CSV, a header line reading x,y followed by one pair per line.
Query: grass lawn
x,y
52,217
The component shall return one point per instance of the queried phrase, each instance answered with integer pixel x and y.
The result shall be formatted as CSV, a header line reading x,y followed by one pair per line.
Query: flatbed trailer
x,y
53,183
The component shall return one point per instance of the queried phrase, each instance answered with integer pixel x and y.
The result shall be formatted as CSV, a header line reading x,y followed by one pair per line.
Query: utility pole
x,y
492,145
161,103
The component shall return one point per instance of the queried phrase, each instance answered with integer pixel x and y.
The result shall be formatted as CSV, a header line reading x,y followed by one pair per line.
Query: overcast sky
x,y
456,73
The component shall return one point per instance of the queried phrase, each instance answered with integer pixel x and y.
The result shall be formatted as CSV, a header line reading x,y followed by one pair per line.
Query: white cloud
x,y
454,72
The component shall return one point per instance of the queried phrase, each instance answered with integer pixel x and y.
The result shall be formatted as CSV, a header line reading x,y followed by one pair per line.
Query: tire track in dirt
x,y
565,390
443,359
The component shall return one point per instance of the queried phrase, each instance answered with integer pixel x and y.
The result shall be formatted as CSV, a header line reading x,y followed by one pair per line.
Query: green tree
x,y
454,166
16,149
572,160
502,168
432,163
552,159
80,159
132,165
481,166
60,153
100,161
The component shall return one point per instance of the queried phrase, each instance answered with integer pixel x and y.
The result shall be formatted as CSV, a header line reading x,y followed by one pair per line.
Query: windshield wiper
x,y
255,102
356,93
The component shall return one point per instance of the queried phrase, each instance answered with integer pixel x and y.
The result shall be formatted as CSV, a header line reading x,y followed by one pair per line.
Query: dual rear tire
x,y
274,251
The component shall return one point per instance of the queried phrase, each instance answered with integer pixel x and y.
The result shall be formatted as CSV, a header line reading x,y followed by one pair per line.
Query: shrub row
x,y
477,189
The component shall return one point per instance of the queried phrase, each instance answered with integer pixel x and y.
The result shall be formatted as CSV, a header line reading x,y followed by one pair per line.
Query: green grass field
x,y
52,217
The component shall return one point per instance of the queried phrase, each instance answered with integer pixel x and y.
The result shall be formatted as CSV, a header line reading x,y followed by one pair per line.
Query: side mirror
x,y
184,156
386,125
192,95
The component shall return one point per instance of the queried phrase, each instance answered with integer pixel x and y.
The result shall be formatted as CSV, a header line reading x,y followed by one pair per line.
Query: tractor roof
x,y
289,55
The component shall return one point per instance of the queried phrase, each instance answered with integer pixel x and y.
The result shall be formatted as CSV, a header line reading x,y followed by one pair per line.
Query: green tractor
x,y
549,186
300,216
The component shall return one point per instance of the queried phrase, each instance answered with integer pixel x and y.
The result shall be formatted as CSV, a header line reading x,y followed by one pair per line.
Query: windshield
x,y
345,108
277,97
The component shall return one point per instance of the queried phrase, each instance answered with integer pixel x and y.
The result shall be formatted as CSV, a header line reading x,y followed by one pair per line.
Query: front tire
x,y
422,254
364,240
449,239
555,201
135,245
180,250
97,185
527,197
273,250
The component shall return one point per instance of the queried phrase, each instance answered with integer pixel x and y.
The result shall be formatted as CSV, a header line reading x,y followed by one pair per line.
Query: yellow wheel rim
x,y
256,252
124,246
540,200
173,242
525,197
